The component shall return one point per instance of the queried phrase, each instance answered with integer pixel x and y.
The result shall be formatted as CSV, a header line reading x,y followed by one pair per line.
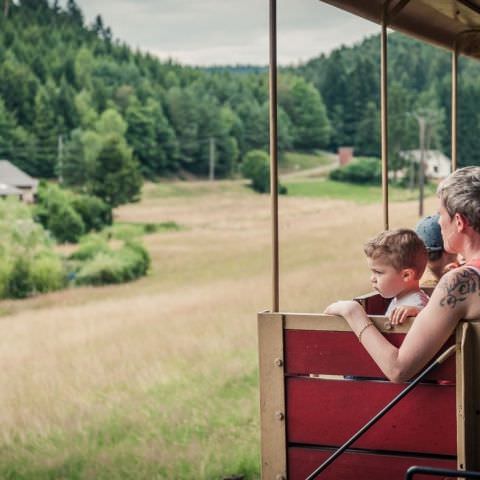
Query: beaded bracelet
x,y
369,324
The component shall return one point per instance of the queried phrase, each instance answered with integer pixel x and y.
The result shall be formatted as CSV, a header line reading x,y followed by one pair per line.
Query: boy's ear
x,y
408,274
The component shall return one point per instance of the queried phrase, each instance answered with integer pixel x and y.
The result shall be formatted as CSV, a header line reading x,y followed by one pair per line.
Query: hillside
x,y
67,86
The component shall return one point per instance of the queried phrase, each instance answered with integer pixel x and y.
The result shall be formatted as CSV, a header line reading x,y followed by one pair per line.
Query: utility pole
x,y
211,172
6,5
421,166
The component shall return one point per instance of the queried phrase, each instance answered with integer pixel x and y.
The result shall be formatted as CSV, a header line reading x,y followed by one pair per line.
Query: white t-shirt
x,y
414,299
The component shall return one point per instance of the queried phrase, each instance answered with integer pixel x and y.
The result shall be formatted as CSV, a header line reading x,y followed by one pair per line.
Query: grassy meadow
x,y
157,379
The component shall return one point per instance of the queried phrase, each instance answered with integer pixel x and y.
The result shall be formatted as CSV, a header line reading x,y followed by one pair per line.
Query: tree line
x,y
80,106
419,85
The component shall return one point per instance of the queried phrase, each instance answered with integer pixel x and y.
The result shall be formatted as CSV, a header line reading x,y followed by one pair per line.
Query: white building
x,y
437,165
14,182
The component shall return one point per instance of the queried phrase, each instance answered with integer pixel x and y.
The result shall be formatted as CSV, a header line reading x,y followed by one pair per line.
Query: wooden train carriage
x,y
318,386
317,383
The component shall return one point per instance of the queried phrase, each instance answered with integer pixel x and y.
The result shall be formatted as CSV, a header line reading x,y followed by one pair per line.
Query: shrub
x,y
256,168
94,212
47,273
19,283
55,206
5,272
117,266
90,247
65,223
138,257
103,269
361,170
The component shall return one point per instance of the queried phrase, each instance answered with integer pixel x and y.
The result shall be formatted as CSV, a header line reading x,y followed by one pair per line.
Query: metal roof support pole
x,y
273,154
454,107
384,116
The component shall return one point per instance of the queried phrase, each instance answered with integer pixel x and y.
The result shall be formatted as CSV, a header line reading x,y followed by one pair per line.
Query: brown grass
x,y
68,359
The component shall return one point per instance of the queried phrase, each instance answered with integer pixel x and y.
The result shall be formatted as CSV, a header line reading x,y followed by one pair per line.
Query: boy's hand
x,y
401,313
343,308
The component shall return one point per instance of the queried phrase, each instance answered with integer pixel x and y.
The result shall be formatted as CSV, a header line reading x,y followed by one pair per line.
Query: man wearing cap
x,y
439,261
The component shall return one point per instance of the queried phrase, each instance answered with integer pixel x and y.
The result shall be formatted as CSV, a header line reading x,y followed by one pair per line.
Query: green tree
x,y
46,130
84,65
306,110
111,121
85,111
117,178
468,112
256,167
153,140
18,89
367,139
7,127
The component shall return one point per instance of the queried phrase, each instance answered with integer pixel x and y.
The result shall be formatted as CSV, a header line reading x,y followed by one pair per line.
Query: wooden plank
x,y
463,357
357,466
272,395
340,353
328,412
468,395
315,321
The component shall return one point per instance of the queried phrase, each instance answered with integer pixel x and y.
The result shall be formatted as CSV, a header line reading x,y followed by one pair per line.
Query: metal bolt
x,y
279,415
278,362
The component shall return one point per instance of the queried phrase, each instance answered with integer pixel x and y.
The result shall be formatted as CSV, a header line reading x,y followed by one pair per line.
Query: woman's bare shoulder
x,y
459,289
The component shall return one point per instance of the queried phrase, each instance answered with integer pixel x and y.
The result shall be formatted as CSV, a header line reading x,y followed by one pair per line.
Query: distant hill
x,y
419,84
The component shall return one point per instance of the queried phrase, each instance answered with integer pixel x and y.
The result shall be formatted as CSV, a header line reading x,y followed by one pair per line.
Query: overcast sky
x,y
209,32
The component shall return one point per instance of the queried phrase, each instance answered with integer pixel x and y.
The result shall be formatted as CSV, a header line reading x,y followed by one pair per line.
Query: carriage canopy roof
x,y
440,22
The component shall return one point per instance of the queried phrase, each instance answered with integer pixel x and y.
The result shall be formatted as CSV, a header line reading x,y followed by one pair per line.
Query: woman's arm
x,y
450,301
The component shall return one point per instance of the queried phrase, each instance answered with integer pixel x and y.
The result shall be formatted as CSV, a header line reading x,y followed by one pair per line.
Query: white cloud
x,y
227,31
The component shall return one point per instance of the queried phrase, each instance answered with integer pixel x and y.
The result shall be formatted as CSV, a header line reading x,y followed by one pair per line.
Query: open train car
x,y
318,385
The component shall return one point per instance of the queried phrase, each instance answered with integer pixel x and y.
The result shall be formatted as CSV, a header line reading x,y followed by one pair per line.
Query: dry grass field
x,y
158,378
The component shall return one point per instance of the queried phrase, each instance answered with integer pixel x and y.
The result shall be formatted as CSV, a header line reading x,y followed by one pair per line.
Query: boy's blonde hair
x,y
401,248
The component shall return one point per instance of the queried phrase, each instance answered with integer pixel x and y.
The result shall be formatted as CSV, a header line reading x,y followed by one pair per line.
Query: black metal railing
x,y
440,472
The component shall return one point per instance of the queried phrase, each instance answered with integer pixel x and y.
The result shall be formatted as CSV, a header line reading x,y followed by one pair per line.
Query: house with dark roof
x,y
15,182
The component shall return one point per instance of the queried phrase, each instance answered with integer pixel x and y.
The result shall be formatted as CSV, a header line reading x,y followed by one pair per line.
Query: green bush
x,y
138,258
256,168
65,224
89,248
68,215
5,272
103,269
115,266
361,170
19,283
95,213
47,273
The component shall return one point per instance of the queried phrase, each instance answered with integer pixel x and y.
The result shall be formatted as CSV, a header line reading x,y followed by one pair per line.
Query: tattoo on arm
x,y
458,287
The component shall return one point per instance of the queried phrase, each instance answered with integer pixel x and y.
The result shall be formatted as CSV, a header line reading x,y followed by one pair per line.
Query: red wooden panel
x,y
357,466
329,412
340,353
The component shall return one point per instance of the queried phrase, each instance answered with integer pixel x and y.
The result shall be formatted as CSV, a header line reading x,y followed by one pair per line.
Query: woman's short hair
x,y
460,193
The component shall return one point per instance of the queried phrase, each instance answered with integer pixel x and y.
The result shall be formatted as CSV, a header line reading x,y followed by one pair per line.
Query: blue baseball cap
x,y
428,229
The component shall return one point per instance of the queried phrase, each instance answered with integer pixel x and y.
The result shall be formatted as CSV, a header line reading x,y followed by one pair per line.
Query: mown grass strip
x,y
350,192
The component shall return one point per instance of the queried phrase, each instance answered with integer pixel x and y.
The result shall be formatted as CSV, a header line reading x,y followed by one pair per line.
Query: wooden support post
x,y
272,396
468,395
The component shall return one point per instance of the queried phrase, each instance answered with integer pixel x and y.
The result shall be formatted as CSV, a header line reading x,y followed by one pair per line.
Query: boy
x,y
439,261
397,260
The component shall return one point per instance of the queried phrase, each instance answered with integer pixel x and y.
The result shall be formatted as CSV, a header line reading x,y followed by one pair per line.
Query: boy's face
x,y
386,280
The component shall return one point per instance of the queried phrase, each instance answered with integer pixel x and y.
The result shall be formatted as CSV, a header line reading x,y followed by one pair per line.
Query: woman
x,y
456,297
